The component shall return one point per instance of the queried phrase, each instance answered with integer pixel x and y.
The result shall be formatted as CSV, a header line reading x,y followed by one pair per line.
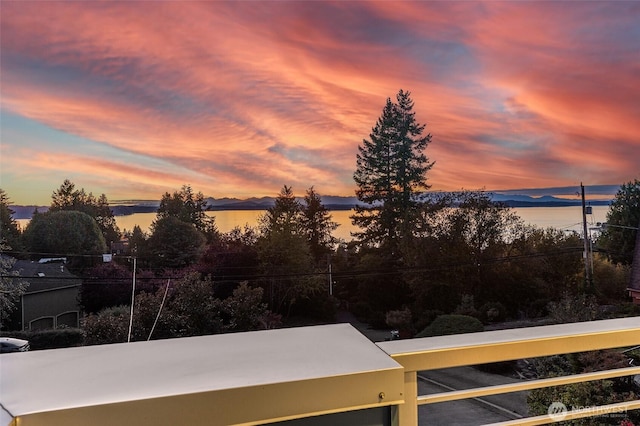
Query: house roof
x,y
45,276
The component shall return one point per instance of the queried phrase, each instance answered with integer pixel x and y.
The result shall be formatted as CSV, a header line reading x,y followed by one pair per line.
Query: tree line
x,y
416,252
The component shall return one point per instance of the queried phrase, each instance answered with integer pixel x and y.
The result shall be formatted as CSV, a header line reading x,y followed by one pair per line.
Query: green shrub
x,y
452,324
573,308
110,325
611,280
426,318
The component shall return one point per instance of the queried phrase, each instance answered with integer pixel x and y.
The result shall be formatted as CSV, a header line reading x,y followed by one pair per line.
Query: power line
x,y
94,280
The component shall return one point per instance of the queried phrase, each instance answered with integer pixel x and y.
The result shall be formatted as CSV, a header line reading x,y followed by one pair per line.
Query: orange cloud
x,y
242,98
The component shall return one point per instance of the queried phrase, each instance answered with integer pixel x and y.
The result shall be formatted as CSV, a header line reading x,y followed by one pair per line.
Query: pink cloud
x,y
245,97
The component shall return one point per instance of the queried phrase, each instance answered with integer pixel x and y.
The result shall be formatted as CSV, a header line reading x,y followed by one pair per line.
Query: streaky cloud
x,y
239,98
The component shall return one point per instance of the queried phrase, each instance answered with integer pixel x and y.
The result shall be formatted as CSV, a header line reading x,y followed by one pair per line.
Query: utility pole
x,y
587,258
330,277
133,295
634,285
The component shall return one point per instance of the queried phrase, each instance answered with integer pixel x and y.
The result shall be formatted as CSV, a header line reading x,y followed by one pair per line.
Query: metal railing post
x,y
408,412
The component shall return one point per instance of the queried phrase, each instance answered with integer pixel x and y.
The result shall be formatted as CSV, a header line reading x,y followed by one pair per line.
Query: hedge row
x,y
49,339
452,324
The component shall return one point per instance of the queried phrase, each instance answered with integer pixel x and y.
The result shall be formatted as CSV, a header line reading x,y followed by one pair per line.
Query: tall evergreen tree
x,y
284,255
619,238
137,240
9,232
391,174
67,197
106,220
188,207
317,224
283,216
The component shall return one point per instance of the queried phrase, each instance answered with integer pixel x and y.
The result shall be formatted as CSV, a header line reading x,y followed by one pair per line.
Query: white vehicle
x,y
10,344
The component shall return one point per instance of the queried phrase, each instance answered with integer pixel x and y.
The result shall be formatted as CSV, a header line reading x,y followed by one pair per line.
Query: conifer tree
x,y
188,207
283,216
318,225
619,238
284,254
9,231
391,174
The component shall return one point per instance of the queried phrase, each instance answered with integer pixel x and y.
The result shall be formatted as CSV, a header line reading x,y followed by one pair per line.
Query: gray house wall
x,y
51,298
53,308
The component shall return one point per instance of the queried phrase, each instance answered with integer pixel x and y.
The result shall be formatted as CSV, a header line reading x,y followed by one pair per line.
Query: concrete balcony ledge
x,y
243,378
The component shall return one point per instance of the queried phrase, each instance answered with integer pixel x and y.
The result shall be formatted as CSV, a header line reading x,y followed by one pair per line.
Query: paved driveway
x,y
473,411
464,412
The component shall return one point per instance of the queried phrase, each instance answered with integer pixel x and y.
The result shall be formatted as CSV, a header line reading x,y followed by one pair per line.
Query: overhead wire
x,y
336,273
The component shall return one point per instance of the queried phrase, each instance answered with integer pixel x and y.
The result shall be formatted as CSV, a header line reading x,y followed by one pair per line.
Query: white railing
x,y
494,346
322,373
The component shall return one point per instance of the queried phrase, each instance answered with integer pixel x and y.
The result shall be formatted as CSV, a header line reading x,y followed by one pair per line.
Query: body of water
x,y
564,218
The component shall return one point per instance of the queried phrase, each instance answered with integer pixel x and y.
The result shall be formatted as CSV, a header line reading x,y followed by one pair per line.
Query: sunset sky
x,y
132,99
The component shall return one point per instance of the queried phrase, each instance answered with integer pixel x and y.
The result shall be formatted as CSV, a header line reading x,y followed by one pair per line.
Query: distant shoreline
x,y
26,212
511,203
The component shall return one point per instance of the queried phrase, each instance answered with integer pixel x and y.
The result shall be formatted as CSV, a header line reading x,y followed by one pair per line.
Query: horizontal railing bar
x,y
544,419
526,385
433,353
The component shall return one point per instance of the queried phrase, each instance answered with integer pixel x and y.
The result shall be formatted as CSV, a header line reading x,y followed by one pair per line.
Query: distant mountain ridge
x,y
544,201
331,202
